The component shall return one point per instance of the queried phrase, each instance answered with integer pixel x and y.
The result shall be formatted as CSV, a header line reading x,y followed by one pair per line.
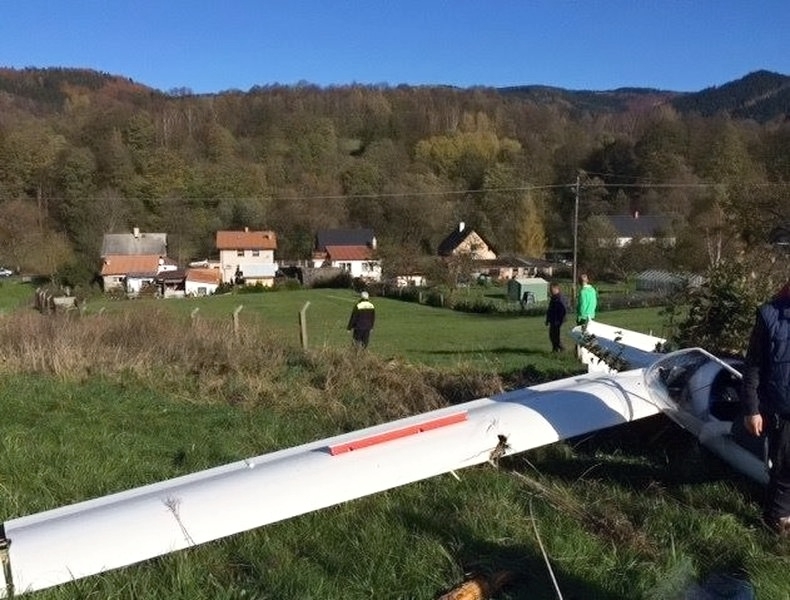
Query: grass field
x,y
135,394
417,333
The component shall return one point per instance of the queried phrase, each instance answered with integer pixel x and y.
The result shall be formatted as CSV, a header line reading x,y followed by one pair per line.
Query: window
x,y
256,252
239,252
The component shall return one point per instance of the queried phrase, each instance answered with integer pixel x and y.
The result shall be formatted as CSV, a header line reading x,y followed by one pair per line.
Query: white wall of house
x,y
135,283
113,282
621,242
366,269
410,280
199,288
260,274
230,260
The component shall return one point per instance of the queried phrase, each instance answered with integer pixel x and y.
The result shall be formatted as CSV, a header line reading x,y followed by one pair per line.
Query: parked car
x,y
5,272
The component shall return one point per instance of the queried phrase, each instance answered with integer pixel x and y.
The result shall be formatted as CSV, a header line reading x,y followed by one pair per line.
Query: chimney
x,y
461,226
636,214
136,232
246,230
373,242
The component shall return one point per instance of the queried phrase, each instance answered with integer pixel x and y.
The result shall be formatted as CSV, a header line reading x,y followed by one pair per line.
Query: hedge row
x,y
437,298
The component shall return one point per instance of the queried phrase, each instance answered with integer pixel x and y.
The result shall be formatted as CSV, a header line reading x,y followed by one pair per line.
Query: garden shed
x,y
528,290
665,281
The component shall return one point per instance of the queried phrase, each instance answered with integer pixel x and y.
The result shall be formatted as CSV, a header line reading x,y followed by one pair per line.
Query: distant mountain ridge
x,y
613,101
762,95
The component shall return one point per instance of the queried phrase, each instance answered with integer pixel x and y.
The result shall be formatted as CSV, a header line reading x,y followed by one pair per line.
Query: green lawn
x,y
15,294
414,332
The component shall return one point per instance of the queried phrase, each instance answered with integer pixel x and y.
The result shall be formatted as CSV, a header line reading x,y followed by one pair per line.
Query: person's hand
x,y
754,424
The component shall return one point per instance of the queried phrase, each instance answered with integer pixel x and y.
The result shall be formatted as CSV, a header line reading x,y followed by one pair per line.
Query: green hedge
x,y
434,297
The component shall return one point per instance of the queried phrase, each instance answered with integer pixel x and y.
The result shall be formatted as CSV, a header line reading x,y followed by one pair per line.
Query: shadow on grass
x,y
645,455
477,556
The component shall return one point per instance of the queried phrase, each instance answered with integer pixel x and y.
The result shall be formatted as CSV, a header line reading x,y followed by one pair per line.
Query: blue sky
x,y
210,46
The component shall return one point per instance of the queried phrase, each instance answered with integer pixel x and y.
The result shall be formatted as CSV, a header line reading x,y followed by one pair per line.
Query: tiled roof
x,y
145,266
203,275
349,252
343,237
114,244
246,240
640,226
171,275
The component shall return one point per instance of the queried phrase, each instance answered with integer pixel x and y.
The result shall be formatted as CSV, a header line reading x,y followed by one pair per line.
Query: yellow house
x,y
464,240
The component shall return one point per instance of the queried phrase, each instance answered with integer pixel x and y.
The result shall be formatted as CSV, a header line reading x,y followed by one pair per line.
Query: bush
x,y
479,306
719,315
339,281
435,298
75,275
287,284
258,288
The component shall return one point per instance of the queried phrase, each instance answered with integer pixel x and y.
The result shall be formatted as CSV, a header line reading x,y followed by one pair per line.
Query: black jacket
x,y
766,381
363,317
558,308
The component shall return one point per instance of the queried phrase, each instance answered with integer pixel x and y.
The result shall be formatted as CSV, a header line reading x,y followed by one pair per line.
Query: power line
x,y
395,195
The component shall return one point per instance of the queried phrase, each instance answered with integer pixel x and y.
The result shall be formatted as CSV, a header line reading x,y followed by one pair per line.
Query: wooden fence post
x,y
303,325
193,315
236,319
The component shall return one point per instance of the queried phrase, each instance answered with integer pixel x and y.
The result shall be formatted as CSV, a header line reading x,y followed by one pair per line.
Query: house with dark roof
x,y
644,228
247,256
464,240
136,243
132,260
344,237
352,250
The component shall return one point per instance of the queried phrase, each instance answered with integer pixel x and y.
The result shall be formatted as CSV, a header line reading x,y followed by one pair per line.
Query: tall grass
x,y
205,361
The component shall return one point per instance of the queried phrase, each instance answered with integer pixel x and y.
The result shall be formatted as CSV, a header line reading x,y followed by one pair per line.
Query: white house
x,y
131,273
358,261
353,250
201,281
410,280
247,254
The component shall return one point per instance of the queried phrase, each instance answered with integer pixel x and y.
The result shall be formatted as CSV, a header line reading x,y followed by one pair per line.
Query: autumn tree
x,y
29,245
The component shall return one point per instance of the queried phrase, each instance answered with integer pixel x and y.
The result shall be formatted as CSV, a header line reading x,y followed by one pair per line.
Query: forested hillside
x,y
84,153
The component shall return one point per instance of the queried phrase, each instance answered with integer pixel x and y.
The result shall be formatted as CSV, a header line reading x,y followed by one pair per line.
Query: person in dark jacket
x,y
362,319
766,400
555,316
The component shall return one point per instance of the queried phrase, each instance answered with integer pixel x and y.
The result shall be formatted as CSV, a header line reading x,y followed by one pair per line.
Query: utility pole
x,y
576,191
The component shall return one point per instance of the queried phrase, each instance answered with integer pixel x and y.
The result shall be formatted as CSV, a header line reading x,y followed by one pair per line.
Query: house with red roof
x,y
247,256
132,260
132,272
352,250
201,281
